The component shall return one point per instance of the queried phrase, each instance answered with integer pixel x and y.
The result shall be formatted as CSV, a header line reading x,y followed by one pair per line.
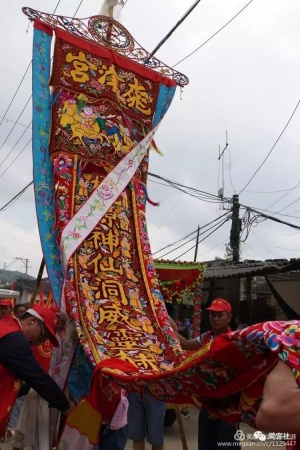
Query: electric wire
x,y
164,40
13,121
2,162
16,197
187,242
284,195
247,245
216,246
16,123
274,219
211,198
21,151
174,243
14,96
215,34
199,242
22,79
277,140
201,228
274,192
265,246
276,246
77,9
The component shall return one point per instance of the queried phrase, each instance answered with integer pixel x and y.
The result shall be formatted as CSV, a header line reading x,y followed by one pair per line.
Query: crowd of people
x,y
23,327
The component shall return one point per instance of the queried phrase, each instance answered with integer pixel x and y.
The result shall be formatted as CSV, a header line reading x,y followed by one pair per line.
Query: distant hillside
x,y
11,276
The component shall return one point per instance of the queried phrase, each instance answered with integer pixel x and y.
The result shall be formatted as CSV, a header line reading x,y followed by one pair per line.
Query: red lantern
x,y
177,285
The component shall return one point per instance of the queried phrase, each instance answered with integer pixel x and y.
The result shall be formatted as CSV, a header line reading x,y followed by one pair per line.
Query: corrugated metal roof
x,y
222,269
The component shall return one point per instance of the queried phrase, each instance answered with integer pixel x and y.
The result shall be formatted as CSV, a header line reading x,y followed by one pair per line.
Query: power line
x,y
22,79
276,246
209,39
192,239
274,192
216,246
205,196
274,219
14,96
174,243
13,121
247,245
161,43
180,240
21,151
272,212
77,8
2,162
288,191
16,197
56,7
199,242
16,122
265,246
271,148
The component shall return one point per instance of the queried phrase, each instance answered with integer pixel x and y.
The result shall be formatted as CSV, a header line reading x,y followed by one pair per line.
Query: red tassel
x,y
151,202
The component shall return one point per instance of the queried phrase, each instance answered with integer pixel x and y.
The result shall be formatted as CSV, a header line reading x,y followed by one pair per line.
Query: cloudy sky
x,y
245,80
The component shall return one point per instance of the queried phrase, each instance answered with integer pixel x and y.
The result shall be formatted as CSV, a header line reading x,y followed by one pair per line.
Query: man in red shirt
x,y
212,431
17,361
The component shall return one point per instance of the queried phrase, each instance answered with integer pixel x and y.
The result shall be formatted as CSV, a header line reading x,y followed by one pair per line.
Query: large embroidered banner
x,y
90,174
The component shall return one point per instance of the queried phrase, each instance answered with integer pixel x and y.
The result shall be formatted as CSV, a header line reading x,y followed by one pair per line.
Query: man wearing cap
x,y
212,431
6,307
20,309
18,363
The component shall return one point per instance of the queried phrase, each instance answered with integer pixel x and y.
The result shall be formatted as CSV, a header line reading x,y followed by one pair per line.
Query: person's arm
x,y
280,407
188,344
17,357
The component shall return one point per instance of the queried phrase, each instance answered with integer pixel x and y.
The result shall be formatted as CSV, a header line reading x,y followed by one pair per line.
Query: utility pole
x,y
197,243
25,261
235,229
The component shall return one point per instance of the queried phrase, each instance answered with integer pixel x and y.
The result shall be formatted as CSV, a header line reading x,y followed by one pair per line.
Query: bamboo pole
x,y
37,283
181,428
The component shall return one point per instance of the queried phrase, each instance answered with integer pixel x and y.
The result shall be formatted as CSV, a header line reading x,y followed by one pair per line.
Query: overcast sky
x,y
245,80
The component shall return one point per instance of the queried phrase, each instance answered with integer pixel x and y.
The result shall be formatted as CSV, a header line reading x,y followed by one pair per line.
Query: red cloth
x,y
9,384
42,354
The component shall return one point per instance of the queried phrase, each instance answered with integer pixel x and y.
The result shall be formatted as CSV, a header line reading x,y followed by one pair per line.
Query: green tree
x,y
228,256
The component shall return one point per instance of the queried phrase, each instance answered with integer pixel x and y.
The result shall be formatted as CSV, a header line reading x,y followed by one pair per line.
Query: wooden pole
x,y
37,283
181,429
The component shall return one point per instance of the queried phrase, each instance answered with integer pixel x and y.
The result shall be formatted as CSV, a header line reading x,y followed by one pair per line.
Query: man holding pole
x,y
212,431
17,361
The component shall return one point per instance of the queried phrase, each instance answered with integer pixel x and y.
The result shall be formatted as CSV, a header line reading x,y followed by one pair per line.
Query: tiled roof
x,y
225,269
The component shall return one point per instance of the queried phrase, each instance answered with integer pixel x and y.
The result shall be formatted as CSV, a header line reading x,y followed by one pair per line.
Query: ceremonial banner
x,y
105,108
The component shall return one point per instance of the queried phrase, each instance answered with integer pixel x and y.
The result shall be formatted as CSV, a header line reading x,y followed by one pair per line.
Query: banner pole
x,y
181,429
37,283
